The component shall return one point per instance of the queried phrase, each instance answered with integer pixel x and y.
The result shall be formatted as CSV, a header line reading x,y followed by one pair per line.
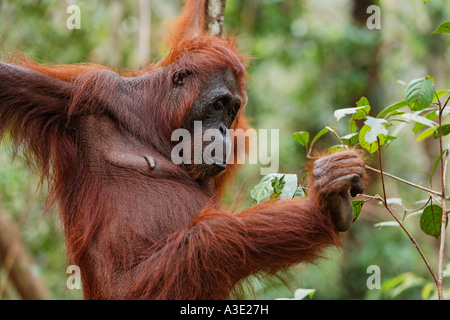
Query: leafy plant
x,y
423,107
277,186
427,109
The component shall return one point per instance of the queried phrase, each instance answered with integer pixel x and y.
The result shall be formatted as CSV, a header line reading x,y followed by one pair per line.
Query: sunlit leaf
x,y
435,165
415,117
301,137
372,133
299,193
377,128
290,186
364,109
426,134
372,146
300,294
428,290
393,288
336,148
443,27
439,94
360,112
262,191
277,186
392,108
419,126
357,206
387,224
350,139
353,128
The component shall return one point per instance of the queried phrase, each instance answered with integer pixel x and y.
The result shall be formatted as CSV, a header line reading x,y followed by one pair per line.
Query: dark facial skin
x,y
216,108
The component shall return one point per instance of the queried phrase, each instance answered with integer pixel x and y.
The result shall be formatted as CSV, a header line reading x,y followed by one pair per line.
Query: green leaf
x,y
350,139
426,134
387,224
301,294
290,186
358,112
419,126
282,184
394,288
392,108
278,185
262,191
445,131
336,148
373,128
377,128
370,146
364,110
299,193
428,290
353,128
415,117
301,137
419,93
439,94
321,133
443,28
357,206
431,220
389,139
435,165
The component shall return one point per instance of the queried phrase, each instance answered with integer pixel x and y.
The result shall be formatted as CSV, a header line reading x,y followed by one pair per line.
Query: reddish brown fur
x,y
158,235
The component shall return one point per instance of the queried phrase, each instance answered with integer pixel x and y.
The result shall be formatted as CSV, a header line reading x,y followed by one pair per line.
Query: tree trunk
x,y
16,263
215,12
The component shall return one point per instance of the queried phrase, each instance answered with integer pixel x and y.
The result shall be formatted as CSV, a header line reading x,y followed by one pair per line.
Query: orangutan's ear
x,y
179,76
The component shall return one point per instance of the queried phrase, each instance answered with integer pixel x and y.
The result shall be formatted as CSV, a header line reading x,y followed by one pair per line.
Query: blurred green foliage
x,y
310,58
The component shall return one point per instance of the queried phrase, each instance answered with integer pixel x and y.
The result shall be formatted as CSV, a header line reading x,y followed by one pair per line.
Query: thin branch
x,y
384,201
339,138
411,238
441,110
375,197
405,181
443,163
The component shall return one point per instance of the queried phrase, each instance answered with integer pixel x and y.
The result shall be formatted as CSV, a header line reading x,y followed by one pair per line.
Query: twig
x,y
376,197
404,181
384,201
339,138
441,110
444,163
